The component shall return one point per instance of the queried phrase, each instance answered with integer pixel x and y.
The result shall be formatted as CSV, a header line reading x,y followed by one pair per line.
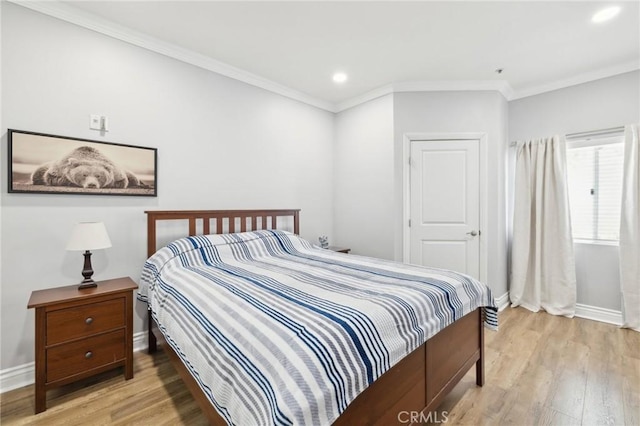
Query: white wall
x,y
598,276
1,183
456,112
368,191
363,179
221,144
599,104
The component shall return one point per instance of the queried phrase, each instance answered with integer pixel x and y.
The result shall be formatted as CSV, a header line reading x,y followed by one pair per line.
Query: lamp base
x,y
87,284
87,271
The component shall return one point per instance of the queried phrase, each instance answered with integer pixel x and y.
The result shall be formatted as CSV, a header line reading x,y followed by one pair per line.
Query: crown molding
x,y
365,97
501,86
92,22
578,79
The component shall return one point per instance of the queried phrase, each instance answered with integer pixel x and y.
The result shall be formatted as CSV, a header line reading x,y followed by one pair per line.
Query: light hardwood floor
x,y
540,369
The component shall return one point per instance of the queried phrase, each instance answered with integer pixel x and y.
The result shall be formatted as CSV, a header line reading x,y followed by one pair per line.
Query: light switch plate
x,y
95,122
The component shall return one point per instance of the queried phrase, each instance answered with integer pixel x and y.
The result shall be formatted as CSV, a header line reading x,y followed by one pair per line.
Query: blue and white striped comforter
x,y
277,331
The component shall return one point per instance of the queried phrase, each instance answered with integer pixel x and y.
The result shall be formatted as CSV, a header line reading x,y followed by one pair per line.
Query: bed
x,y
341,339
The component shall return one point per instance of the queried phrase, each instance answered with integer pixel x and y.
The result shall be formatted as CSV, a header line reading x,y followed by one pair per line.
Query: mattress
x,y
276,330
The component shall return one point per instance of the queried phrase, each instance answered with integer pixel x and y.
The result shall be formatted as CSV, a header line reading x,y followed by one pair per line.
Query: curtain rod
x,y
590,133
601,132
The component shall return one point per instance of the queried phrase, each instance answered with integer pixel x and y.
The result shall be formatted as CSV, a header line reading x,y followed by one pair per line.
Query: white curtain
x,y
543,274
630,230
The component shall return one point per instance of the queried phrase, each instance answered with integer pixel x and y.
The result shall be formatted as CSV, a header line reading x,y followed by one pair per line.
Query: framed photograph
x,y
50,164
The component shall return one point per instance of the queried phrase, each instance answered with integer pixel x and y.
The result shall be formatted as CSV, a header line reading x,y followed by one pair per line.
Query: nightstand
x,y
339,249
80,333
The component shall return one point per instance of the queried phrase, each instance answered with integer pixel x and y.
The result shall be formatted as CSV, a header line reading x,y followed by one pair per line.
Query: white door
x,y
445,205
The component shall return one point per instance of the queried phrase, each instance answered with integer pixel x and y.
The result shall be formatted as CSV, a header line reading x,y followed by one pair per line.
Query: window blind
x,y
594,169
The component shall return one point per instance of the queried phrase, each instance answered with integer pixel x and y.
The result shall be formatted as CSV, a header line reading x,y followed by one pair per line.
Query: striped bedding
x,y
278,331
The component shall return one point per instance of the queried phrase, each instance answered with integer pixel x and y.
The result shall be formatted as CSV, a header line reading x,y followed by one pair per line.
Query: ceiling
x,y
300,44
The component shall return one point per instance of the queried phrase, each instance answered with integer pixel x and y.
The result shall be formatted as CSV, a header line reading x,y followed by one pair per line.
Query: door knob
x,y
472,233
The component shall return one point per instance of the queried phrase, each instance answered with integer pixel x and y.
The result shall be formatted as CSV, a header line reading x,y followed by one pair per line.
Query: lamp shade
x,y
89,236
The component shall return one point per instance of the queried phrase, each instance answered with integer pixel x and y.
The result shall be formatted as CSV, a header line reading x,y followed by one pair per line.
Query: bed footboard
x,y
420,381
450,354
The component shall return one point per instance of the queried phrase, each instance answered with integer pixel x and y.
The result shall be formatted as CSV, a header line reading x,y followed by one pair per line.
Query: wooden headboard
x,y
250,220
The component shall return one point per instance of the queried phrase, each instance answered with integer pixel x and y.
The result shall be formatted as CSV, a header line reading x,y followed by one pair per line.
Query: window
x,y
594,173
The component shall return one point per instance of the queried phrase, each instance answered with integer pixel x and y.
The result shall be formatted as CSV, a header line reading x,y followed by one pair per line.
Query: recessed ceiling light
x,y
339,77
606,14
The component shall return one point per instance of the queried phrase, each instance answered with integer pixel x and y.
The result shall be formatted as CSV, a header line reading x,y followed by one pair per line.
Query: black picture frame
x,y
41,163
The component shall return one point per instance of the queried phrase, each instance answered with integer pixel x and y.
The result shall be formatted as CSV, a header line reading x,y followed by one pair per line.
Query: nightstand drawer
x,y
85,320
81,332
84,355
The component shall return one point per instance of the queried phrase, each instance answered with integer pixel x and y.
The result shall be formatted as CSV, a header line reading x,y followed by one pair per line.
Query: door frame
x,y
481,137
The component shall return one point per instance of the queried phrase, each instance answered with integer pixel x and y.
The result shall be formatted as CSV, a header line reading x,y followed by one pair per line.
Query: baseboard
x,y
503,301
599,314
17,377
140,341
594,313
24,375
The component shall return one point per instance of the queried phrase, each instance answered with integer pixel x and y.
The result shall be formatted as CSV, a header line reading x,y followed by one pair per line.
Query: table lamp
x,y
88,236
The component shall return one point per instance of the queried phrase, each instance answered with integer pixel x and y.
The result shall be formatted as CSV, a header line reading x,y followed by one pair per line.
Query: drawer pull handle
x,y
88,355
88,321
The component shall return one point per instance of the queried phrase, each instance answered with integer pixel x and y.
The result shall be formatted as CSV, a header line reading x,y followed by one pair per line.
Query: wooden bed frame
x,y
417,384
